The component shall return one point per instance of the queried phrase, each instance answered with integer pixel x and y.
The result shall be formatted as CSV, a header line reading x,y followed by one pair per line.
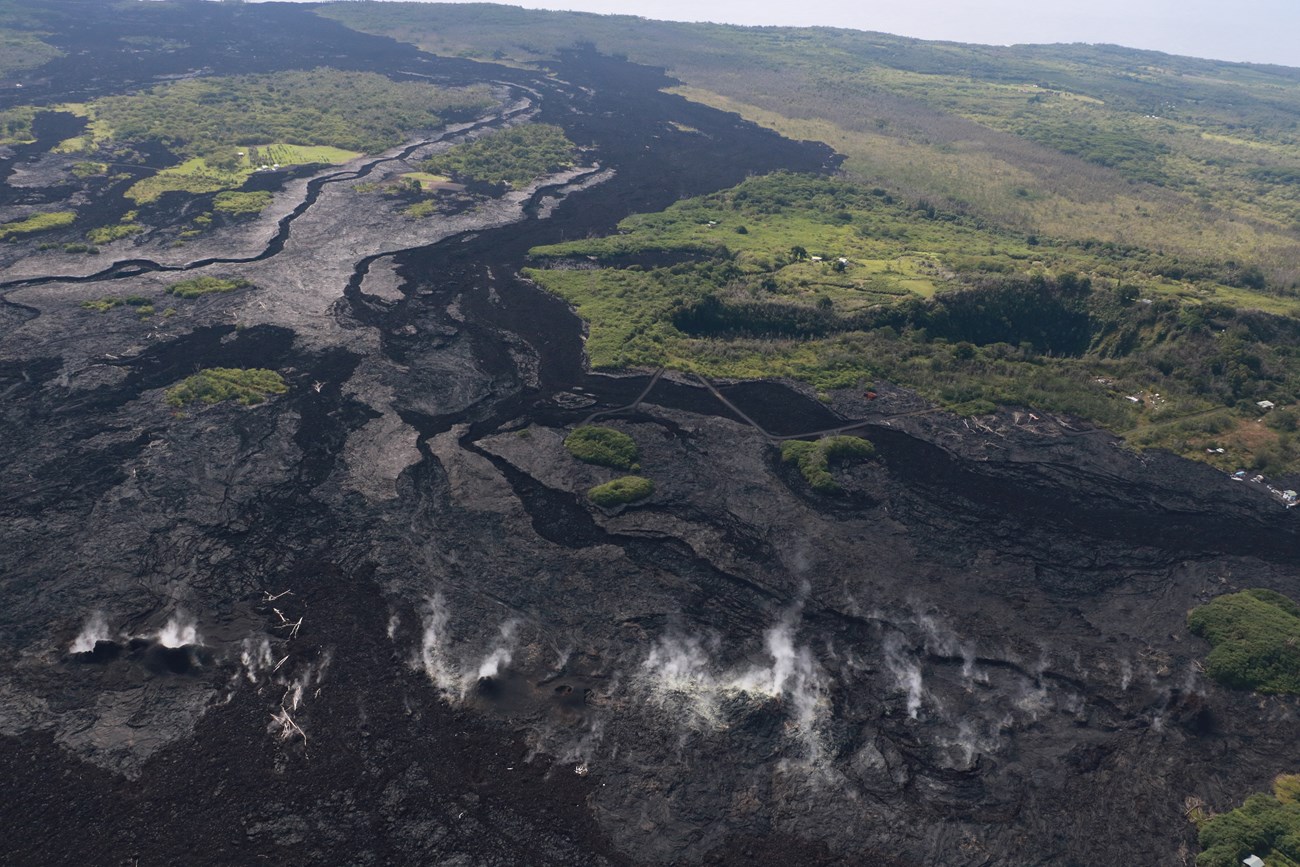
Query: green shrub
x,y
1255,636
101,305
241,204
89,170
197,286
627,489
217,384
105,234
814,458
604,446
420,209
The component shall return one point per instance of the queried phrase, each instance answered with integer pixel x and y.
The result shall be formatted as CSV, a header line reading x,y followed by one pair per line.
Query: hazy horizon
x,y
1253,31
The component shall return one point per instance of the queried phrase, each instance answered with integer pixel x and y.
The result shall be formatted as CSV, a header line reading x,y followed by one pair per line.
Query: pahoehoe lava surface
x,y
376,620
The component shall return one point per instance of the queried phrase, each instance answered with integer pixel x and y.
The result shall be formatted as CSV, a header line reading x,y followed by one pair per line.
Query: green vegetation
x,y
106,234
1172,351
19,51
89,169
421,209
1079,143
425,181
241,204
16,124
37,223
623,490
214,385
603,446
1148,202
142,305
515,156
225,128
1255,636
216,118
814,458
199,286
1267,826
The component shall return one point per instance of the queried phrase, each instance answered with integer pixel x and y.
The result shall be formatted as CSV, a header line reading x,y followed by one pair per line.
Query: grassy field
x,y
1193,157
36,223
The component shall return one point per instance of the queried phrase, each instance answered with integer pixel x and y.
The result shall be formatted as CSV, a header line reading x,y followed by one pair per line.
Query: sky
x,y
1257,31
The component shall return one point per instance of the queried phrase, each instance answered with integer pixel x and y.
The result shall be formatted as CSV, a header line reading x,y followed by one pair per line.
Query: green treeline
x,y
1255,636
209,117
515,156
1267,826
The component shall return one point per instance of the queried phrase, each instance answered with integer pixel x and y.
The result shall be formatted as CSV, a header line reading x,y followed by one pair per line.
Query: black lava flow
x,y
387,779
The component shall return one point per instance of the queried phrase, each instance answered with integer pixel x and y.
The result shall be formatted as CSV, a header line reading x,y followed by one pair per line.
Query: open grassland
x,y
1085,143
36,223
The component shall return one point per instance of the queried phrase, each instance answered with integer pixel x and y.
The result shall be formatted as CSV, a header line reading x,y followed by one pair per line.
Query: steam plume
x,y
501,654
906,672
179,631
94,631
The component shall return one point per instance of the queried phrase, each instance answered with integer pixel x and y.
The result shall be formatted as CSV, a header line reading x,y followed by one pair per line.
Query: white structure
x,y
1265,405
1253,861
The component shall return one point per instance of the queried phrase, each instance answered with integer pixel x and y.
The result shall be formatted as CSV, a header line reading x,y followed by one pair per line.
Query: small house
x,y
1253,861
1265,405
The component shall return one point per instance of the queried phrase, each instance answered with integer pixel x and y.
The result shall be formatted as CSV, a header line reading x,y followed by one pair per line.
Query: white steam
x,y
906,671
501,654
681,669
179,631
255,657
94,631
433,645
453,678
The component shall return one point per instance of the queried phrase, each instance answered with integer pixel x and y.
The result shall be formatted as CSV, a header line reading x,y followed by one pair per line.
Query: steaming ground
x,y
376,620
